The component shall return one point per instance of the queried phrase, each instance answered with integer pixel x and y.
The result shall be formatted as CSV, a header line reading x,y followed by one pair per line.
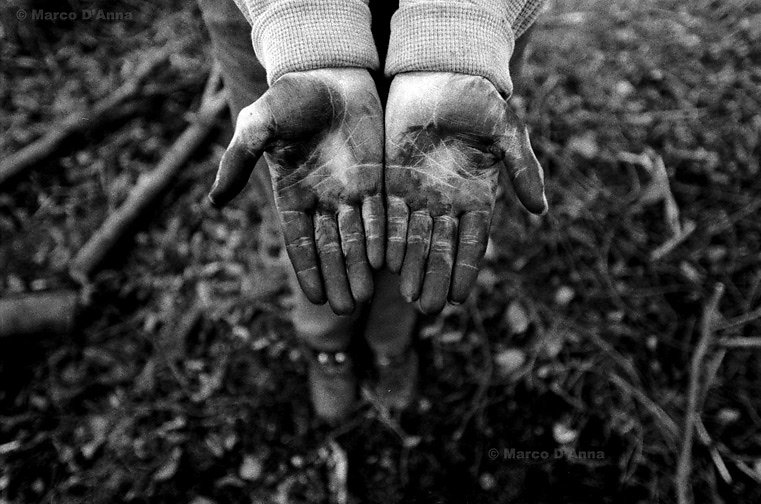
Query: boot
x,y
332,384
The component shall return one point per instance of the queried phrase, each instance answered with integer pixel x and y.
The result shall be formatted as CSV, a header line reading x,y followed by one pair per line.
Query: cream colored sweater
x,y
474,37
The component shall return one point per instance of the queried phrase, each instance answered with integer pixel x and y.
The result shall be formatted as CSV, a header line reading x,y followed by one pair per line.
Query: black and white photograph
x,y
380,251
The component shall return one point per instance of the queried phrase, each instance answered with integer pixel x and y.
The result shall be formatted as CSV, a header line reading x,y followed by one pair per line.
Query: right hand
x,y
322,135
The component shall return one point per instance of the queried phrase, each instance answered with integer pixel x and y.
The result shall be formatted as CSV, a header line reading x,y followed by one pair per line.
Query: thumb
x,y
525,171
253,131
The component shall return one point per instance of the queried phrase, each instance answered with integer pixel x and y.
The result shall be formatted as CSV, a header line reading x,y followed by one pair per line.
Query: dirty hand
x,y
448,136
321,132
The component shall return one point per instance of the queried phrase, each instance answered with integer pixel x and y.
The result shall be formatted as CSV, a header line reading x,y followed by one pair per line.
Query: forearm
x,y
475,37
300,35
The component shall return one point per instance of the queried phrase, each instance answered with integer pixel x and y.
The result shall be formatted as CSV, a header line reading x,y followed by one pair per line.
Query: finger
x,y
353,245
398,214
375,229
252,133
524,169
299,243
332,264
439,266
474,235
418,245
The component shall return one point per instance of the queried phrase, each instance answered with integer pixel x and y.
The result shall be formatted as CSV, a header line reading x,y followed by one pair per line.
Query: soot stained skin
x,y
447,138
321,132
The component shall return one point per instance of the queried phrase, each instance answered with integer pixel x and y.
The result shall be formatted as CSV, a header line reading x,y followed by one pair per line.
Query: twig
x,y
178,334
666,422
712,369
723,452
38,313
728,222
754,342
740,321
707,328
384,416
145,193
78,122
213,83
664,249
718,461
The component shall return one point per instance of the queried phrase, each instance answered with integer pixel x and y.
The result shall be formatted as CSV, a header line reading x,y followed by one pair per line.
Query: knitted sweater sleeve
x,y
298,35
475,37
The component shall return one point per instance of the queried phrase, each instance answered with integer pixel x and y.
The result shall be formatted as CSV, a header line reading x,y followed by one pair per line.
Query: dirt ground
x,y
566,378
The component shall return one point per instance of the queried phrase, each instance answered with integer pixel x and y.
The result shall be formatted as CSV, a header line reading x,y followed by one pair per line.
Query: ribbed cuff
x,y
298,35
441,36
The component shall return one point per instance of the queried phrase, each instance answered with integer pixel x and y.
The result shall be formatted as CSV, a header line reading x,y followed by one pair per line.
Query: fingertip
x,y
354,246
364,294
531,194
216,197
361,283
438,274
545,204
409,292
212,202
375,254
332,265
341,305
418,246
311,285
432,305
463,281
537,207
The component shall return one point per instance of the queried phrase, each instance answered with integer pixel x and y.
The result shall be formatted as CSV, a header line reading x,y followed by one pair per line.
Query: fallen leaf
x,y
487,481
564,295
585,145
509,360
516,318
250,469
450,337
563,434
169,468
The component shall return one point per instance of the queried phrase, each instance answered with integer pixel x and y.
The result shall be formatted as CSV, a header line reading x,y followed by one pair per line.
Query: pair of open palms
x,y
424,206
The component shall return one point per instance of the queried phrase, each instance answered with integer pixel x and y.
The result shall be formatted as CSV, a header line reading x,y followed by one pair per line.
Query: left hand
x,y
447,137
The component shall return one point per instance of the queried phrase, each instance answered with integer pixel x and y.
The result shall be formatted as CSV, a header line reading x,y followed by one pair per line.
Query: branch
x,y
38,313
146,192
741,342
707,328
104,110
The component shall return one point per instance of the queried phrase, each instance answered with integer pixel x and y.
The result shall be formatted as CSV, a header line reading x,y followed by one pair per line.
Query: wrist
x,y
458,37
300,35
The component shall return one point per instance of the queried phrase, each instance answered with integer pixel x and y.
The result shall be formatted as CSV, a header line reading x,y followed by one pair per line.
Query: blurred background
x,y
619,334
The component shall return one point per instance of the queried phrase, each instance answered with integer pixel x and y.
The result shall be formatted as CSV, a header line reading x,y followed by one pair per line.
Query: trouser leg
x,y
390,319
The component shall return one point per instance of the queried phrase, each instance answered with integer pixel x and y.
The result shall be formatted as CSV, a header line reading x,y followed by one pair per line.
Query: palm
x,y
327,147
322,133
447,136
